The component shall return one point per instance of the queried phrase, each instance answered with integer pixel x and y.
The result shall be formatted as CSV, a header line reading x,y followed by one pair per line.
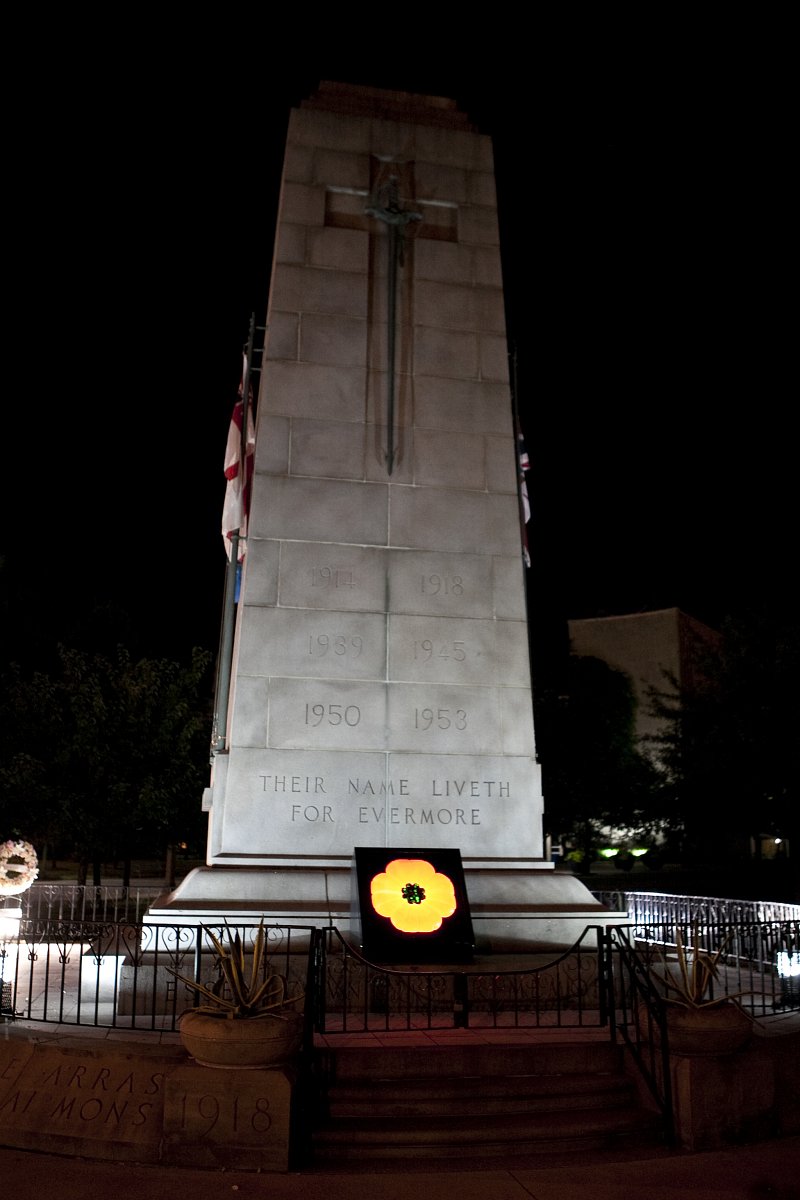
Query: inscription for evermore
x,y
420,813
337,799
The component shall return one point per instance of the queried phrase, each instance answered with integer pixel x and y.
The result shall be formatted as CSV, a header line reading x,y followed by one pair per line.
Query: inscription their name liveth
x,y
315,785
418,814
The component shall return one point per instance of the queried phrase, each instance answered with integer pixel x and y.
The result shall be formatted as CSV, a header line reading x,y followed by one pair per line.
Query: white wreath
x,y
16,877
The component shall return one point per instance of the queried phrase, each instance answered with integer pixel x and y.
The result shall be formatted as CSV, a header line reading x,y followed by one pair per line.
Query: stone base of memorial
x,y
142,1102
520,910
731,1098
722,1029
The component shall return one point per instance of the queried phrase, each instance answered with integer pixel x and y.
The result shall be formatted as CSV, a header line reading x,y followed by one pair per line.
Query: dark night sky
x,y
646,254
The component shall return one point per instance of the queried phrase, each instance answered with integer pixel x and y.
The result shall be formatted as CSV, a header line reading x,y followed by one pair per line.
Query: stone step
x,y
466,1096
471,1060
486,1136
477,1101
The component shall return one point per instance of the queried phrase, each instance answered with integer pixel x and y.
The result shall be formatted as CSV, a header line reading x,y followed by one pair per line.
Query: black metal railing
x,y
124,975
83,902
646,909
558,990
638,1018
748,957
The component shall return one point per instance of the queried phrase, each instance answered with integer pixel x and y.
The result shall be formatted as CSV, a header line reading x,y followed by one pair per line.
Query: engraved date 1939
x,y
321,644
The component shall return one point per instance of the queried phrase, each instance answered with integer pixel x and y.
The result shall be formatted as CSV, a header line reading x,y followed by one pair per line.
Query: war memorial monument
x,y
379,701
380,687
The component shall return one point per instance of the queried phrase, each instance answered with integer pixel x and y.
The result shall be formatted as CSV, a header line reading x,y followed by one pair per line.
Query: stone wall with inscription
x,y
141,1102
381,689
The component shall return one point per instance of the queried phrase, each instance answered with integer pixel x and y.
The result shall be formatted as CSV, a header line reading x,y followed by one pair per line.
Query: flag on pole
x,y
237,493
525,514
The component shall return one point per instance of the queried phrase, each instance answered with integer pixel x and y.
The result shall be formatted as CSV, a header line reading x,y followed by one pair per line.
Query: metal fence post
x,y
198,960
460,1001
608,991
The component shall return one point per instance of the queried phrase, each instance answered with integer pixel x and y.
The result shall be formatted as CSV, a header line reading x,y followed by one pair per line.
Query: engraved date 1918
x,y
231,1112
445,585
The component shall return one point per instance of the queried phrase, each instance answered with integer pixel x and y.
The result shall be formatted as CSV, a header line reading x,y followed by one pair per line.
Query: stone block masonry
x,y
381,685
141,1102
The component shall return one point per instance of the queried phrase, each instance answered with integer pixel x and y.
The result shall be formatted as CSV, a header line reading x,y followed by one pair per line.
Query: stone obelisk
x,y
381,691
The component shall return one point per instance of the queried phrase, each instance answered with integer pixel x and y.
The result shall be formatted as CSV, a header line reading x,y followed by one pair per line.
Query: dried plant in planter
x,y
697,1021
698,969
249,994
248,1021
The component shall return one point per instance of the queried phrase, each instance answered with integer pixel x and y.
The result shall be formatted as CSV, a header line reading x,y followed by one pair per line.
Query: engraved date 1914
x,y
333,577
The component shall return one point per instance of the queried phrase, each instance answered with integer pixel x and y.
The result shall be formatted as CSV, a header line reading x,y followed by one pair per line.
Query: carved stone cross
x,y
385,206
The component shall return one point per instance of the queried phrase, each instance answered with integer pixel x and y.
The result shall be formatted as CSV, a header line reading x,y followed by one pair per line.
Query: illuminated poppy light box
x,y
413,905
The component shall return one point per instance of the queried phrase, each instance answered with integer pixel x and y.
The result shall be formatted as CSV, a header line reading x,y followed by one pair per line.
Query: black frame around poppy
x,y
453,942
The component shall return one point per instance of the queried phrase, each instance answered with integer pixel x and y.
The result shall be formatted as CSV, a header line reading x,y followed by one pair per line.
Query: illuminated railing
x,y
760,940
117,974
648,909
83,902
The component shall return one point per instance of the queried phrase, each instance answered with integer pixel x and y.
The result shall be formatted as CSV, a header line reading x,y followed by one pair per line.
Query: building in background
x,y
650,648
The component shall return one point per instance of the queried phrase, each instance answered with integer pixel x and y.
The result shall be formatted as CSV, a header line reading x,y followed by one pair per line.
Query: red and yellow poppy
x,y
413,895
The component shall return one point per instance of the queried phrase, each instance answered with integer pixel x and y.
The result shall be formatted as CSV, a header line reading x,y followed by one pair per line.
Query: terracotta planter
x,y
245,1043
721,1029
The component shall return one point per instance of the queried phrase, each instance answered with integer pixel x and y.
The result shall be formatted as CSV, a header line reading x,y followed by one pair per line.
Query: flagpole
x,y
225,659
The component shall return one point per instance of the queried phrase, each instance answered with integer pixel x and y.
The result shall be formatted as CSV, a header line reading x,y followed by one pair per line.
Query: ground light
x,y
788,965
9,936
9,923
